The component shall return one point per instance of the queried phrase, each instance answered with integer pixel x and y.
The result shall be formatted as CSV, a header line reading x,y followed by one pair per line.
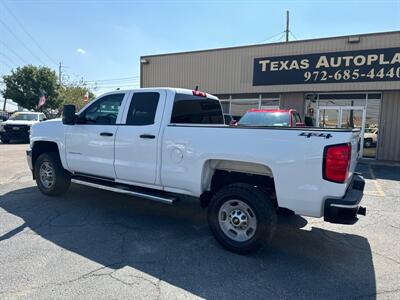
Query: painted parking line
x,y
378,188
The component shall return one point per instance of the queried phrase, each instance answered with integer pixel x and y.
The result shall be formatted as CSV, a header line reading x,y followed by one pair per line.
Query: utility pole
x,y
287,26
59,73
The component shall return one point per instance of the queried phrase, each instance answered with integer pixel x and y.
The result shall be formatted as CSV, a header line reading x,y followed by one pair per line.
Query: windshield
x,y
370,130
265,119
24,117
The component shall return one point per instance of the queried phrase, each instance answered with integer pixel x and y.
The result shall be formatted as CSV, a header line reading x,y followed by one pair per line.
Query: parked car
x,y
163,143
271,117
370,137
18,126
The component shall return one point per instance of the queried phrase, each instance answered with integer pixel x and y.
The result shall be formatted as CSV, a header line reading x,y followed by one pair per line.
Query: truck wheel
x,y
367,143
5,141
242,217
51,178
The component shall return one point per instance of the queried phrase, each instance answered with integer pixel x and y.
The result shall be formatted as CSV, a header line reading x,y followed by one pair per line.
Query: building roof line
x,y
270,44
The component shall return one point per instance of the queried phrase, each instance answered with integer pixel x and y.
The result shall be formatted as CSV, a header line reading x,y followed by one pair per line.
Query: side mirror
x,y
68,116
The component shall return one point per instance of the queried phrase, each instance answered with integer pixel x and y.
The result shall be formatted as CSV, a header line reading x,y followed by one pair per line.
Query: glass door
x,y
342,117
328,117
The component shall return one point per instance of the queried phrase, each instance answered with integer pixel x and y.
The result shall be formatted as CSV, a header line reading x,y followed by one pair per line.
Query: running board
x,y
125,189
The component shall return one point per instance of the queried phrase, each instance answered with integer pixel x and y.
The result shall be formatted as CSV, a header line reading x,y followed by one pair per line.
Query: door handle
x,y
106,134
147,136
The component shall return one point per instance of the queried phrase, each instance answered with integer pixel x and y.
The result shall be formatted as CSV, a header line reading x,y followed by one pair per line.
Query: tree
x,y
26,84
73,94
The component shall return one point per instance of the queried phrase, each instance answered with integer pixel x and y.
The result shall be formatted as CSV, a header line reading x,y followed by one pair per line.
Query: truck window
x,y
103,111
142,109
196,110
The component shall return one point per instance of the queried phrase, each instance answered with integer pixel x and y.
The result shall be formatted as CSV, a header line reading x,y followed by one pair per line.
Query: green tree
x,y
26,84
74,94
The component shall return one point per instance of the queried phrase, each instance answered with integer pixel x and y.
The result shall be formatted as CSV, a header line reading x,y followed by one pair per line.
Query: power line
x,y
114,79
18,39
113,85
27,33
9,59
6,63
15,53
295,38
271,37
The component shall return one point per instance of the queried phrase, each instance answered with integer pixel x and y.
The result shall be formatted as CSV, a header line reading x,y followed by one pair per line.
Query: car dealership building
x,y
339,82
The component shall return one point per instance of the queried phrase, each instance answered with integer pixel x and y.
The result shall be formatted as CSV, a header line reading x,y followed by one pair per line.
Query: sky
x,y
101,41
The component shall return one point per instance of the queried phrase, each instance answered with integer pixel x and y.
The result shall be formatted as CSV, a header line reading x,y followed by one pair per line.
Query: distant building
x,y
338,82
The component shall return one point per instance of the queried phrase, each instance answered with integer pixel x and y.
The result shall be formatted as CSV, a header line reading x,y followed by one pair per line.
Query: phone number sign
x,y
333,67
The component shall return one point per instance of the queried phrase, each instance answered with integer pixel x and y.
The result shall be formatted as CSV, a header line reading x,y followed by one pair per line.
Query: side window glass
x,y
196,110
142,109
102,112
41,117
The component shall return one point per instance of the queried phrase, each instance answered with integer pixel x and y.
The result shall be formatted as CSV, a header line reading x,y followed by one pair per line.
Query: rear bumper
x,y
346,209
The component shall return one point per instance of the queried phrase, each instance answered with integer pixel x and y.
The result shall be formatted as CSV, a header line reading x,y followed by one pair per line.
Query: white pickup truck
x,y
163,143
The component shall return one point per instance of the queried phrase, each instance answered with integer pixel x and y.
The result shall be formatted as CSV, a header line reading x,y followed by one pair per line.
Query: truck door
x,y
137,141
90,142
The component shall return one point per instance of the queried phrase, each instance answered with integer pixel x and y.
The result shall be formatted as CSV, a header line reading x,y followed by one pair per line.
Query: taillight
x,y
336,162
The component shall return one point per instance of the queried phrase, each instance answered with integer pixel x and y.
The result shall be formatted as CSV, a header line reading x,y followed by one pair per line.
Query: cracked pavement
x,y
95,244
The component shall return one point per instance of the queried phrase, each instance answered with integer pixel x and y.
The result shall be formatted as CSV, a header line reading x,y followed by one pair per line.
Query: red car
x,y
271,117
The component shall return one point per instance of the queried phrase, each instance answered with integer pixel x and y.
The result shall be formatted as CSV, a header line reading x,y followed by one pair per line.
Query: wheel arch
x,y
219,172
39,147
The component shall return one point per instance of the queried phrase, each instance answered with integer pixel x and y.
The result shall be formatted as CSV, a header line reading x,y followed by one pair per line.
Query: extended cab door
x,y
90,143
138,137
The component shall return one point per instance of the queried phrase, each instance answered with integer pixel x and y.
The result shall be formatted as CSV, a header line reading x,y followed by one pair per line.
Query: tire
x,y
5,141
367,143
250,201
51,178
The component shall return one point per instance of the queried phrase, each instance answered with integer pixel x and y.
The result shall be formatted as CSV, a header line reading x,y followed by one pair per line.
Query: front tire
x,y
51,178
242,217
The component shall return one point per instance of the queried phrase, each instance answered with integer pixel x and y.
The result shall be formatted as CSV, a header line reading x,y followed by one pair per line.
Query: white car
x,y
162,143
18,126
370,137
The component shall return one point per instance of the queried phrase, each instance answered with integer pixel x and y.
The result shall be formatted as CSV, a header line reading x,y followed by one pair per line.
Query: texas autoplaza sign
x,y
332,67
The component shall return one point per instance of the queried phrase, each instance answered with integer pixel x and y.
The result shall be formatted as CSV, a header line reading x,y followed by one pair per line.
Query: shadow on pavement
x,y
173,243
379,171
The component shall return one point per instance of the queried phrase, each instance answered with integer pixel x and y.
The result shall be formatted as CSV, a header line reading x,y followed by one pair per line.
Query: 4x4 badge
x,y
317,134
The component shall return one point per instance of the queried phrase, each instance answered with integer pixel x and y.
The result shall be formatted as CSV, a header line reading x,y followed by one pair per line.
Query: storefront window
x,y
237,106
347,111
269,103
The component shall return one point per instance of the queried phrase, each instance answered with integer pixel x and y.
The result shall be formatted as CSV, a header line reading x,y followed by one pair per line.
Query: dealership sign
x,y
348,66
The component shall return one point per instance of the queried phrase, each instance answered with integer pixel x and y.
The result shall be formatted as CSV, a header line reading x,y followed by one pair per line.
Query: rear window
x,y
265,119
196,110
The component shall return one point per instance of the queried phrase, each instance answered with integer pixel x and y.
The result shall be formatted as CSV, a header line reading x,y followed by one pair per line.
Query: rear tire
x,y
242,218
51,178
367,143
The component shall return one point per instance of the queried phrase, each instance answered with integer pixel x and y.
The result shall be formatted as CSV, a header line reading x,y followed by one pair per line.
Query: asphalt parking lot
x,y
99,245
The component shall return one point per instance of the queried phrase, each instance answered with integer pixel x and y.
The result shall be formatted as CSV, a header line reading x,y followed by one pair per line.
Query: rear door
x,y
137,138
90,142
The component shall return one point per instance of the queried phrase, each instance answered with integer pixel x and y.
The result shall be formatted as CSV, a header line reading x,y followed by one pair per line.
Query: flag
x,y
42,99
86,96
